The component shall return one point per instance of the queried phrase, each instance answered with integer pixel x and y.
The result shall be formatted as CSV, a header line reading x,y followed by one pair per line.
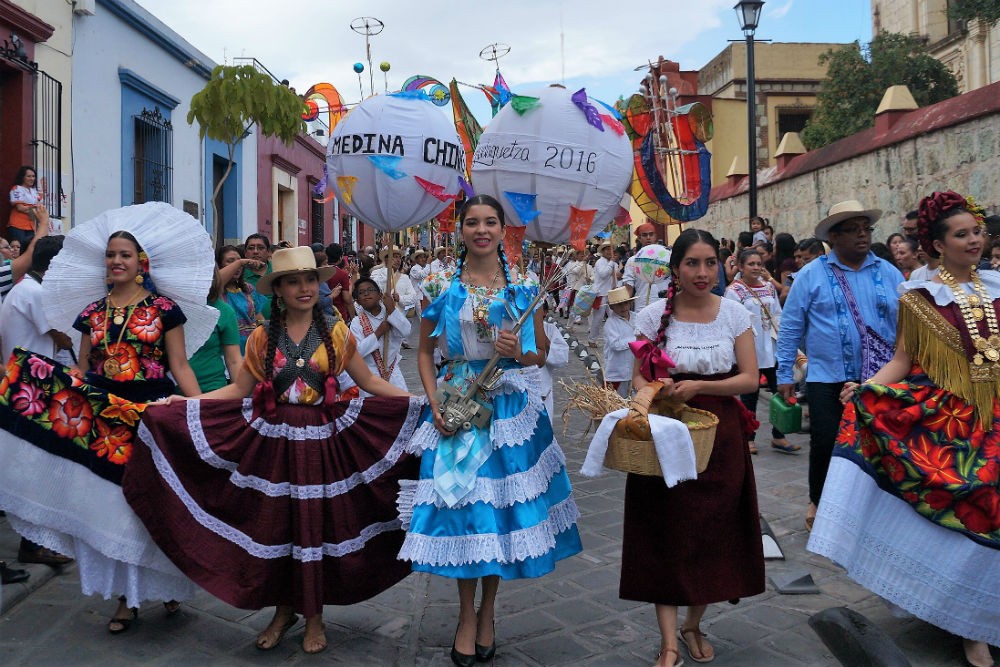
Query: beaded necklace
x,y
112,366
974,307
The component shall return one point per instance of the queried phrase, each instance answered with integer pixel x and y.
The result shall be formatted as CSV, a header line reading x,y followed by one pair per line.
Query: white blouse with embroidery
x,y
699,348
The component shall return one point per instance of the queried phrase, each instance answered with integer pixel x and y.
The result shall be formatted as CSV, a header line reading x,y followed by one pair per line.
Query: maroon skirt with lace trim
x,y
296,508
698,542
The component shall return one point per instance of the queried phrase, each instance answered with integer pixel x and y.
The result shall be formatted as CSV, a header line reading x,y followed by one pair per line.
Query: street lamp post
x,y
748,12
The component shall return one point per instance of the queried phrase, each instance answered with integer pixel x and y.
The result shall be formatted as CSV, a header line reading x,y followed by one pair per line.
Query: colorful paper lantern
x,y
395,161
651,264
550,162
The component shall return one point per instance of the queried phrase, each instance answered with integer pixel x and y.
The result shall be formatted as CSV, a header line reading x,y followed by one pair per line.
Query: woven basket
x,y
628,453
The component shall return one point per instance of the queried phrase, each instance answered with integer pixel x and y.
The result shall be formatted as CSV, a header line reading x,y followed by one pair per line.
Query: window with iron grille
x,y
316,213
152,161
47,141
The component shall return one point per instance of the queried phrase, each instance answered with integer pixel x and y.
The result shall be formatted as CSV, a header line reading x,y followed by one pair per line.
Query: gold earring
x,y
139,279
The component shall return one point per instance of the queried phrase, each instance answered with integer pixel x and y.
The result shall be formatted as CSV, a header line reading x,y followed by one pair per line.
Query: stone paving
x,y
570,617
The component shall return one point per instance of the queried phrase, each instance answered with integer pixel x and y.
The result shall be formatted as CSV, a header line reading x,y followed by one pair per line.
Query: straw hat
x,y
438,250
384,252
419,253
845,210
286,261
619,295
606,244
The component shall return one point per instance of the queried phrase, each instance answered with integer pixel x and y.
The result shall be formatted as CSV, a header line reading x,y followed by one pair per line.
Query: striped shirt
x,y
6,278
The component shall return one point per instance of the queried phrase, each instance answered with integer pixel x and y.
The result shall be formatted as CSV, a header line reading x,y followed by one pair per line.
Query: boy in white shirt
x,y
557,357
618,333
378,317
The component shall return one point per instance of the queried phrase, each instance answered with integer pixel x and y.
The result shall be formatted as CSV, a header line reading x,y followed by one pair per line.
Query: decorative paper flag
x,y
603,235
624,217
387,163
579,226
434,190
524,205
523,103
468,128
448,214
503,94
614,112
593,117
466,187
513,237
411,94
446,226
615,125
346,185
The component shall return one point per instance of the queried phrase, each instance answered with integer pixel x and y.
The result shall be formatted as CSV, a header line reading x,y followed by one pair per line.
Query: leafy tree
x,y
857,78
987,11
234,100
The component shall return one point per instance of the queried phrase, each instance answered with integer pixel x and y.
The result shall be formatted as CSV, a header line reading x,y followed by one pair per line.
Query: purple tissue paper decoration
x,y
466,188
387,163
320,188
524,205
589,110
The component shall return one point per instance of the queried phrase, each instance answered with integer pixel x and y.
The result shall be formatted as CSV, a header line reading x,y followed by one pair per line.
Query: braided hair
x,y
685,240
274,329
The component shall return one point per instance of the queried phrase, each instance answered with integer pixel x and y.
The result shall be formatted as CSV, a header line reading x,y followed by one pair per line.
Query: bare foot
x,y
272,635
810,516
669,657
977,654
314,640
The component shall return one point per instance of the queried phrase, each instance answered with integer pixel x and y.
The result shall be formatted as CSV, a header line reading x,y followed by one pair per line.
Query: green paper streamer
x,y
523,103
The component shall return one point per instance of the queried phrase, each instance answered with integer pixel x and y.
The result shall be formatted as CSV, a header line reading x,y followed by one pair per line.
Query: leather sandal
x,y
678,663
783,446
116,625
263,637
705,651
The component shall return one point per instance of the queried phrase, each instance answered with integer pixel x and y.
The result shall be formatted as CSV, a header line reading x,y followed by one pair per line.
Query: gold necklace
x,y
481,303
974,310
112,366
119,311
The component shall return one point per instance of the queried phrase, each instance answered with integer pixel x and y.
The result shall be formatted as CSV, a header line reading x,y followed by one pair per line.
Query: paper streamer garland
x,y
579,226
513,238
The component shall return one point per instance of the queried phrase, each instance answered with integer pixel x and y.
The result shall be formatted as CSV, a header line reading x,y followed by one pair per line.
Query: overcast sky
x,y
602,40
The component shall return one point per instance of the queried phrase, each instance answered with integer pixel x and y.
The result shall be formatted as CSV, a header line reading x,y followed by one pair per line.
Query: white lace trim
x,y
513,547
504,492
288,432
507,432
66,503
932,572
701,348
297,491
244,541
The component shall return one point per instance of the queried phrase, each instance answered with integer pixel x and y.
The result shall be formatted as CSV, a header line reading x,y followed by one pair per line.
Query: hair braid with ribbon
x,y
685,240
274,328
330,387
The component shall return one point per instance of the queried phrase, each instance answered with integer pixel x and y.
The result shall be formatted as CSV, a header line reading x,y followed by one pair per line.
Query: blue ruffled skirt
x,y
518,519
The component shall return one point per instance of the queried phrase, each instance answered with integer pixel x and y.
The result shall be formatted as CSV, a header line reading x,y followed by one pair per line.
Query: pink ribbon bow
x,y
654,363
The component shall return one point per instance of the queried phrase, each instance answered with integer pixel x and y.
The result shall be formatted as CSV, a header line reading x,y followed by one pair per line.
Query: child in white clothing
x,y
557,357
379,316
618,333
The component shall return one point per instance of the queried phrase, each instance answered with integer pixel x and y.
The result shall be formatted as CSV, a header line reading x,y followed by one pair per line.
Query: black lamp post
x,y
748,12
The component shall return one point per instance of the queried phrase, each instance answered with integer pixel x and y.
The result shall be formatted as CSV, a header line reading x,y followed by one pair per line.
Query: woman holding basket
x,y
699,541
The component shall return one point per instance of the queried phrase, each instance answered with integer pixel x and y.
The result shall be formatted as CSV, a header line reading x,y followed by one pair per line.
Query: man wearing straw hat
x,y
605,277
839,302
402,289
441,260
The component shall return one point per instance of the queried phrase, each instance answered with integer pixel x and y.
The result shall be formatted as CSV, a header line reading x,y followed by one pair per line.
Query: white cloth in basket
x,y
671,438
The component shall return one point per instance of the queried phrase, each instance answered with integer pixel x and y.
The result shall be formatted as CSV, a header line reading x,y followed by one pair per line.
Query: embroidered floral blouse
x,y
301,392
137,345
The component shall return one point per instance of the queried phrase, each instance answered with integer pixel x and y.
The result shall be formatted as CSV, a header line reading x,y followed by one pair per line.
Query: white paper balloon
x,y
394,161
554,153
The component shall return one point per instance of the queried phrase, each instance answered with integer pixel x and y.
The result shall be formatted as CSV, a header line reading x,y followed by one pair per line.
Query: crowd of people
x,y
278,458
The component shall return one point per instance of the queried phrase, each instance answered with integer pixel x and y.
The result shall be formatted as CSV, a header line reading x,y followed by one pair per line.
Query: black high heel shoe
x,y
486,653
463,659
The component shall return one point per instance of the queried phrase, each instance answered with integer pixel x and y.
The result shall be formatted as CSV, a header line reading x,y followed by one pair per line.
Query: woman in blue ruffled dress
x,y
492,502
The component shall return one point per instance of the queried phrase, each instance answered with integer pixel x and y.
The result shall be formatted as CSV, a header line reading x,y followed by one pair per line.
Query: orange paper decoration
x,y
513,237
580,221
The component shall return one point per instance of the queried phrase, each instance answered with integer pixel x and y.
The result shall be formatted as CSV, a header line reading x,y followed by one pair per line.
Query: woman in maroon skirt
x,y
288,498
699,541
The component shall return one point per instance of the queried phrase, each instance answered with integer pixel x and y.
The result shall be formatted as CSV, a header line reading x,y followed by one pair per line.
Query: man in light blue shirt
x,y
816,319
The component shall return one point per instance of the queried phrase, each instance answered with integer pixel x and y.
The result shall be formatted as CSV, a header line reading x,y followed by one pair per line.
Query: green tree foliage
x,y
234,100
987,11
857,78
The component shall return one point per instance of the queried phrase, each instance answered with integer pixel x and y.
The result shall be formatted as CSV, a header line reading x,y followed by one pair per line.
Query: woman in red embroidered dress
x,y
919,448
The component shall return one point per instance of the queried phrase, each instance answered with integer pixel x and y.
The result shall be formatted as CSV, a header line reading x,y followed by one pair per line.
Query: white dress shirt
x,y
368,345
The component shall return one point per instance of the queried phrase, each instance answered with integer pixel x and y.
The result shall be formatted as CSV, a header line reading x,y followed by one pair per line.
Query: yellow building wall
x,y
729,118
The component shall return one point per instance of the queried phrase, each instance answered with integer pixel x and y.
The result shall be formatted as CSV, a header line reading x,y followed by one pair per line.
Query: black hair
x,y
682,244
365,265
364,279
882,251
744,239
912,243
45,249
22,172
334,253
221,252
992,224
784,247
757,218
256,235
486,200
912,215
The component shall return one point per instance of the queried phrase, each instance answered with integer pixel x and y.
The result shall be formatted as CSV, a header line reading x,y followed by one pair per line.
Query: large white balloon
x,y
554,153
394,161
